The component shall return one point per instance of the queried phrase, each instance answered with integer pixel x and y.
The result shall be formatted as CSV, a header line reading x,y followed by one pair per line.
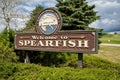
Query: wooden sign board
x,y
72,41
50,38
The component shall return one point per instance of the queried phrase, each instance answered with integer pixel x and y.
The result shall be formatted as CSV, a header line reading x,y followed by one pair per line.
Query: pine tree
x,y
33,17
76,14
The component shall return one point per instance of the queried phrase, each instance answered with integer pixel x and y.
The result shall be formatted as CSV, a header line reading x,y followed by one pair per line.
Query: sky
x,y
108,10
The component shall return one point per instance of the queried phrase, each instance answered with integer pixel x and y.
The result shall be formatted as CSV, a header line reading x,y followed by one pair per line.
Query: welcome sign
x,y
50,38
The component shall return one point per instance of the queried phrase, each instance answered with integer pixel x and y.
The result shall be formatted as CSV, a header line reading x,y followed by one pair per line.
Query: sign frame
x,y
62,32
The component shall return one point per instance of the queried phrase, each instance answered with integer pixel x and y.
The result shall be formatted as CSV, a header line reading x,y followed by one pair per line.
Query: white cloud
x,y
109,11
25,7
49,4
111,22
29,5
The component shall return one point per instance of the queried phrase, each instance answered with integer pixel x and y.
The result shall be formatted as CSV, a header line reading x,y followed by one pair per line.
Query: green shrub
x,y
7,53
6,47
94,69
7,69
36,72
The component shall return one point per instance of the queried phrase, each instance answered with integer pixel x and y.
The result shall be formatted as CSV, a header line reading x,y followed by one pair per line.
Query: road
x,y
104,44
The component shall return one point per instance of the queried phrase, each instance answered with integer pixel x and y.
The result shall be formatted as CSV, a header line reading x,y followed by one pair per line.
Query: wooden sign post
x,y
80,60
50,38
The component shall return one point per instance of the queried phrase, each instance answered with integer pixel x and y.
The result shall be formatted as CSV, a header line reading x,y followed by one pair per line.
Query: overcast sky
x,y
108,10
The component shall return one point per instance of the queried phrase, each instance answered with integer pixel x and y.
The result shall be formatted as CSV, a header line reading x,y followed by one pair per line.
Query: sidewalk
x,y
105,44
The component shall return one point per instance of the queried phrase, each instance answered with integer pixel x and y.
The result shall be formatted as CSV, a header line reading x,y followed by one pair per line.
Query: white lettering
x,y
85,43
64,37
27,42
65,43
37,37
40,43
21,43
71,43
82,43
49,43
50,37
54,43
57,42
33,42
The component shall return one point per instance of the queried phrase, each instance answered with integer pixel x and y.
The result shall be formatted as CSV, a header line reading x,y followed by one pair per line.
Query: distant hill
x,y
113,32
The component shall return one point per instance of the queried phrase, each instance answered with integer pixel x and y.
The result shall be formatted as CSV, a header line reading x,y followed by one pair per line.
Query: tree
x,y
6,47
33,17
7,11
10,13
76,14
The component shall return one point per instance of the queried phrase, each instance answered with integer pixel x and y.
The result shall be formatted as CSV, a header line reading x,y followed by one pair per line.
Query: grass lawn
x,y
109,53
110,38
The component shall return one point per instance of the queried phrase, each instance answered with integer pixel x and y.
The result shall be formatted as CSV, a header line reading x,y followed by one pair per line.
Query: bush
x,y
7,53
36,72
6,70
94,69
6,47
